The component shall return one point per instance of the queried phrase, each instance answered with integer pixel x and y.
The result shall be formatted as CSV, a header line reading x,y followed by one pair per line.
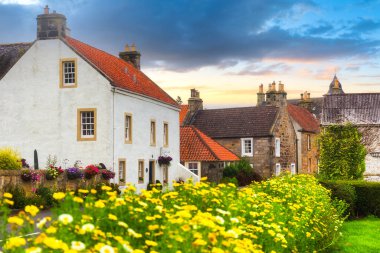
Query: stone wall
x,y
285,131
312,153
13,177
213,171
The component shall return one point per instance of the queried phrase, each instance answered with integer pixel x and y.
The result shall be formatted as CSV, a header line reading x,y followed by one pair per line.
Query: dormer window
x,y
68,73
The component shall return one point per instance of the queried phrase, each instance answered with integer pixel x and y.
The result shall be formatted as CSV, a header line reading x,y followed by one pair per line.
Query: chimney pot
x,y
273,86
261,88
302,96
46,9
281,87
126,48
133,48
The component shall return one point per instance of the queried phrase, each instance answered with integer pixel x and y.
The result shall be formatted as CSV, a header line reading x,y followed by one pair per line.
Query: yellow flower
x,y
308,234
122,224
14,242
199,242
51,230
106,249
93,191
106,188
153,227
77,245
9,202
65,219
99,204
150,243
15,220
33,250
33,210
132,233
112,217
78,200
83,191
59,195
7,195
54,243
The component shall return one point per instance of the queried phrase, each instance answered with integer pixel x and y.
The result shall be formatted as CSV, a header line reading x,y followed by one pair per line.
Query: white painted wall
x,y
144,110
297,129
37,114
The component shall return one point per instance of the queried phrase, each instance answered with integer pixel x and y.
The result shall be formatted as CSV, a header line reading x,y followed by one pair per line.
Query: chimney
x,y
51,25
131,55
195,102
261,96
281,87
301,96
273,87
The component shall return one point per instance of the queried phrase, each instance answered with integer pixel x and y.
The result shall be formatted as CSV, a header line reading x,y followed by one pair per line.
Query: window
x,y
141,172
278,169
153,133
247,147
86,124
193,167
128,128
277,147
309,165
68,73
308,142
122,171
166,134
293,168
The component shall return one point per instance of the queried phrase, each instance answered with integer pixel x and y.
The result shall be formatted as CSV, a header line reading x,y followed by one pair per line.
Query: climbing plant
x,y
342,155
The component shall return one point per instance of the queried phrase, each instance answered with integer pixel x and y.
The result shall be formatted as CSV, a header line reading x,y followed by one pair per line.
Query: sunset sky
x,y
225,48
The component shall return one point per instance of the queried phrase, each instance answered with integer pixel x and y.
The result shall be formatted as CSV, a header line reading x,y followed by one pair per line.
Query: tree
x,y
342,155
179,100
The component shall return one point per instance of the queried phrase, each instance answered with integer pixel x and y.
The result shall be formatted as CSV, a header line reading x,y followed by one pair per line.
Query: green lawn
x,y
359,236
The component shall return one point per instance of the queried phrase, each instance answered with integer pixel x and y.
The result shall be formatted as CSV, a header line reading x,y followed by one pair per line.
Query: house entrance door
x,y
152,172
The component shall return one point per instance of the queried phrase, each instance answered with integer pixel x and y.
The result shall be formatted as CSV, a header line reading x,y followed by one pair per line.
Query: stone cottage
x,y
262,134
64,97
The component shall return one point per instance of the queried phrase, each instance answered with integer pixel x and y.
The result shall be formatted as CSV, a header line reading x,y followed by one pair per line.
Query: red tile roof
x,y
304,118
196,146
183,113
120,73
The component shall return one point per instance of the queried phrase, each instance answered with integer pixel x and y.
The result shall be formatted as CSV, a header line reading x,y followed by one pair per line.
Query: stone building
x,y
202,155
360,109
63,97
264,134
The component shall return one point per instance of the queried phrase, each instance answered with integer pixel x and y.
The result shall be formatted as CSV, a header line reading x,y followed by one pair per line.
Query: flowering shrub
x,y
285,214
164,160
53,172
9,159
74,173
107,174
30,176
24,164
91,171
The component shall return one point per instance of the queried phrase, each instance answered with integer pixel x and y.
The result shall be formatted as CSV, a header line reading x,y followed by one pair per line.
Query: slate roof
x,y
315,106
357,108
120,73
304,118
197,146
236,122
183,113
10,54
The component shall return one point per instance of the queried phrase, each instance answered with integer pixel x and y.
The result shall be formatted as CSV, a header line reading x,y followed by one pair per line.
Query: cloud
x,y
260,69
20,2
187,35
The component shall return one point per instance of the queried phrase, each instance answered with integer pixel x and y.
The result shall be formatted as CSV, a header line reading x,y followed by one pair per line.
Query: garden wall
x,y
13,177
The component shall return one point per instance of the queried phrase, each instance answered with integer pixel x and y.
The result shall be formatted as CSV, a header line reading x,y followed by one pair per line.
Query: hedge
x,y
363,197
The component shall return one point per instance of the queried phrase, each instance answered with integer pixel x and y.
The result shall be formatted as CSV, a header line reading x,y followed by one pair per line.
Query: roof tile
x,y
121,73
304,118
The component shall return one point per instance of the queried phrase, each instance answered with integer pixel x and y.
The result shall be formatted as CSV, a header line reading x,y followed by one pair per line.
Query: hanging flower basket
x,y
164,160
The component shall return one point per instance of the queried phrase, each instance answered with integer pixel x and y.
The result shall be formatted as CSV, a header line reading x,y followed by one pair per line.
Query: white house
x,y
63,97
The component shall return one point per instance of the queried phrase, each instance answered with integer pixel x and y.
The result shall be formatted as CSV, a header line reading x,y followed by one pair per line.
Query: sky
x,y
225,48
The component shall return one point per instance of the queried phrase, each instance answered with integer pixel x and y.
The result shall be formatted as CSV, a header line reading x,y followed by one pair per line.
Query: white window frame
x,y
122,170
243,150
278,169
68,72
277,147
196,171
293,168
166,134
308,142
80,125
153,132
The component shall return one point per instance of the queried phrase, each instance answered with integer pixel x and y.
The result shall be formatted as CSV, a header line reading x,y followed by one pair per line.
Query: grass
x,y
359,236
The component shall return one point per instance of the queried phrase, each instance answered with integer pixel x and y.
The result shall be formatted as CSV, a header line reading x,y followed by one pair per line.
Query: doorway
x,y
152,171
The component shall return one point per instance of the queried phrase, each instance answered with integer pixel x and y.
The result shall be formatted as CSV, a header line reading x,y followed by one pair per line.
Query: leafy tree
x,y
342,155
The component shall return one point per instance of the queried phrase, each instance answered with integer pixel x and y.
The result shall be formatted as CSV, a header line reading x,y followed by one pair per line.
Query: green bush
x,y
363,197
242,171
19,196
9,159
